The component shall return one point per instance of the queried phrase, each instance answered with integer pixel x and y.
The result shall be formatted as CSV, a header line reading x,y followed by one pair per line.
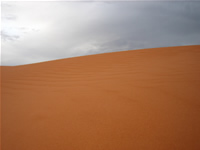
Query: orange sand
x,y
132,100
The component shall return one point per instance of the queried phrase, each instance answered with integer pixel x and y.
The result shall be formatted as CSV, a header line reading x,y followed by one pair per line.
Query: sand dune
x,y
131,100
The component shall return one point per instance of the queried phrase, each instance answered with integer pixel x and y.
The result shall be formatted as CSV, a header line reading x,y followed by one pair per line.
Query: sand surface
x,y
131,100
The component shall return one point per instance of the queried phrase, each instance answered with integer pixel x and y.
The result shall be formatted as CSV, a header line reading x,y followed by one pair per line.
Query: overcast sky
x,y
40,31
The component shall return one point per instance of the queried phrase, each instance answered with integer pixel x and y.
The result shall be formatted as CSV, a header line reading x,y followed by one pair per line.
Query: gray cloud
x,y
67,29
7,37
9,17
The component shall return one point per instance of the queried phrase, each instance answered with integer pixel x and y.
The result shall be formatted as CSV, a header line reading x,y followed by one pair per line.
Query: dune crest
x,y
132,100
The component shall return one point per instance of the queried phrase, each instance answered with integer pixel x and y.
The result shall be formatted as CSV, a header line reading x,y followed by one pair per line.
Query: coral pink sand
x,y
132,100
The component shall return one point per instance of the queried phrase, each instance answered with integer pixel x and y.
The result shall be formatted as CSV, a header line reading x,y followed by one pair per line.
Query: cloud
x,y
9,17
6,37
67,29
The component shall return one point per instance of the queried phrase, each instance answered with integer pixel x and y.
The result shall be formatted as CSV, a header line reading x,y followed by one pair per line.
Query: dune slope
x,y
132,100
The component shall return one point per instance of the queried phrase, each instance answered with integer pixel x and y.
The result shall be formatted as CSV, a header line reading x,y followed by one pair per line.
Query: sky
x,y
40,31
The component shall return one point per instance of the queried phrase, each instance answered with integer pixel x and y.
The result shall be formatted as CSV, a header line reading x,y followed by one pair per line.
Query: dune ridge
x,y
143,99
